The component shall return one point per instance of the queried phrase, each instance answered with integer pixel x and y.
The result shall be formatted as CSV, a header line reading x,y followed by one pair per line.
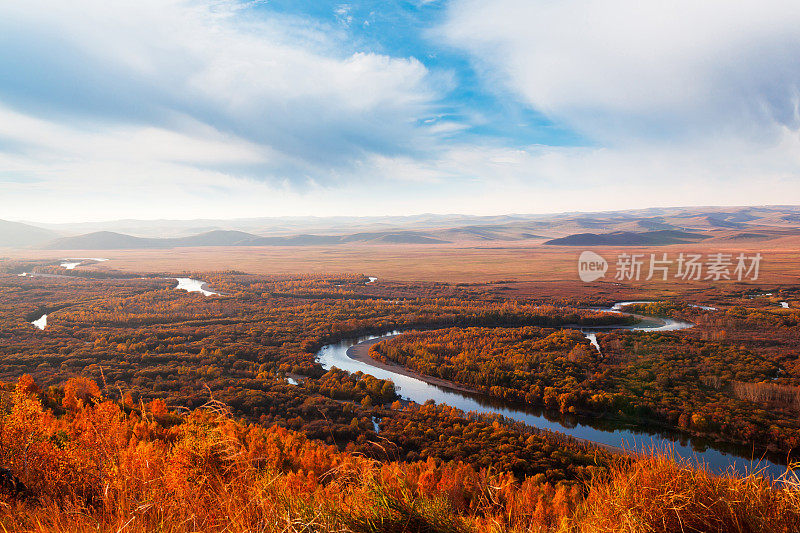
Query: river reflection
x,y
719,457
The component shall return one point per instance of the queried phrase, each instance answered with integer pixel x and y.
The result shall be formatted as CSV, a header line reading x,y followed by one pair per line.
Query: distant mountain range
x,y
656,226
629,238
107,240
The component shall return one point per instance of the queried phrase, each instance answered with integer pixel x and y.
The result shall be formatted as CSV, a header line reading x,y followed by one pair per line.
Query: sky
x,y
185,109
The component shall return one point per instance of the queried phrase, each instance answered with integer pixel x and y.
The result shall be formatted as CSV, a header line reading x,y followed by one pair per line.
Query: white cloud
x,y
204,82
463,178
682,102
45,140
624,69
188,108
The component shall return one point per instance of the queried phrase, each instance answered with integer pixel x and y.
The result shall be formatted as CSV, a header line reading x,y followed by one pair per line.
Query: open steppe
x,y
462,262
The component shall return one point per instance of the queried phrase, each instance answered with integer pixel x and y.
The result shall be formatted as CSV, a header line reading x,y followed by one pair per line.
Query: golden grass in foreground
x,y
102,466
655,494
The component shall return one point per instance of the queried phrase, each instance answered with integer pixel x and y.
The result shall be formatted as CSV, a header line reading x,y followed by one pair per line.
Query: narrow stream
x,y
40,323
592,338
187,284
71,262
194,285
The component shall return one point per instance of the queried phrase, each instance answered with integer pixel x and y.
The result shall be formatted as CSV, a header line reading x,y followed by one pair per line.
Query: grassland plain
x,y
466,261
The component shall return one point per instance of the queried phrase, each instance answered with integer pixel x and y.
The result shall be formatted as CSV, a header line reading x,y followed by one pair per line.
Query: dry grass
x,y
101,469
452,262
656,494
768,393
98,468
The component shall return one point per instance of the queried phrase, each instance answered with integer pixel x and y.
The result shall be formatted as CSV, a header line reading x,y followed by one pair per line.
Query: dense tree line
x,y
734,377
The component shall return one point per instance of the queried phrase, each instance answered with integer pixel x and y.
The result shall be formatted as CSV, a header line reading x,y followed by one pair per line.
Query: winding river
x,y
186,284
717,456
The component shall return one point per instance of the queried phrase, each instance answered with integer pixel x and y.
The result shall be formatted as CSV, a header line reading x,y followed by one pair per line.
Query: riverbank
x,y
360,353
720,457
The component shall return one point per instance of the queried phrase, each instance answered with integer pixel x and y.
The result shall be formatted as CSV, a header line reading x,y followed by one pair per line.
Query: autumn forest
x,y
138,405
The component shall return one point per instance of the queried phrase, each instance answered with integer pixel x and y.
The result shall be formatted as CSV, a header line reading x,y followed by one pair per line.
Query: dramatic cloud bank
x,y
695,101
98,92
185,108
623,70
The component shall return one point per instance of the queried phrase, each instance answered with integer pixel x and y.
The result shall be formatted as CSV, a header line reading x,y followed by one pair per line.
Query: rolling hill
x,y
628,238
16,234
108,240
657,226
102,240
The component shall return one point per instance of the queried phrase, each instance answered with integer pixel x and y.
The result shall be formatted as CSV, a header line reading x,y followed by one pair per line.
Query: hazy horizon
x,y
443,215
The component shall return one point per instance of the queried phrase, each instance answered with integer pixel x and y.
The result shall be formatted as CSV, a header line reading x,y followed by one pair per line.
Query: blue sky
x,y
408,29
230,108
